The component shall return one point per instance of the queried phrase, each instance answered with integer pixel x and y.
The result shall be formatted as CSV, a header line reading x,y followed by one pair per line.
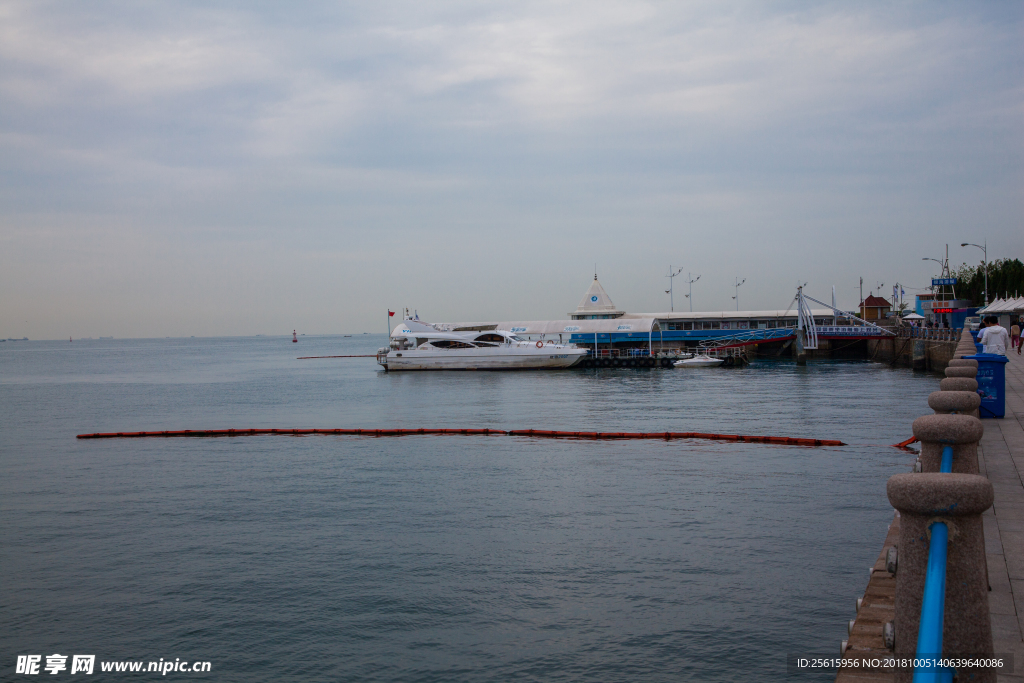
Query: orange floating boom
x,y
904,444
535,433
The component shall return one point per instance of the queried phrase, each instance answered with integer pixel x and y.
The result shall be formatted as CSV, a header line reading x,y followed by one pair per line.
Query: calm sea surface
x,y
435,558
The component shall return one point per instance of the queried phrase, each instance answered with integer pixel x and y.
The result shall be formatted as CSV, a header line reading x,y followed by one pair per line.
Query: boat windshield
x,y
451,344
515,338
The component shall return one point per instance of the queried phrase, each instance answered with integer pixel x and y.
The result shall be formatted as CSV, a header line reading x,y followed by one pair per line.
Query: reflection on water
x,y
435,558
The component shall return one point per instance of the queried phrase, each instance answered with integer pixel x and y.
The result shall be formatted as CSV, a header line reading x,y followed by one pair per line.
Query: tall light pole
x,y
690,280
737,297
940,275
984,251
671,276
943,265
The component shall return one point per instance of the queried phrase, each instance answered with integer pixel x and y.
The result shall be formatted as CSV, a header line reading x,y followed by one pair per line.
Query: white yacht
x,y
699,361
418,346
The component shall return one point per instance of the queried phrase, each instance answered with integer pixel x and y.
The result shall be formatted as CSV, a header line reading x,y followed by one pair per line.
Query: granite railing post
x,y
965,347
959,384
964,363
960,378
962,432
955,402
958,500
961,371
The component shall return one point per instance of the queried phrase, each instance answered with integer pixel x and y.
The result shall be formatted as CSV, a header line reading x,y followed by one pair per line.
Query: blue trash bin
x,y
980,348
991,383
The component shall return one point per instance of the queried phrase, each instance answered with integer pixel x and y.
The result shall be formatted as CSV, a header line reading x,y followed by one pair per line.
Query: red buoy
x,y
295,337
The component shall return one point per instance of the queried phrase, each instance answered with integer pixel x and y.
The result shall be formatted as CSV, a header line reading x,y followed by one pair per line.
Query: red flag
x,y
390,313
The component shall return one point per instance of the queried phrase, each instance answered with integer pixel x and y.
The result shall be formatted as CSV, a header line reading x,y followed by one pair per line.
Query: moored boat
x,y
418,346
700,361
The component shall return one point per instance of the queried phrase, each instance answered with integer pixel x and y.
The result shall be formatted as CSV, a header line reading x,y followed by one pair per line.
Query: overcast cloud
x,y
196,169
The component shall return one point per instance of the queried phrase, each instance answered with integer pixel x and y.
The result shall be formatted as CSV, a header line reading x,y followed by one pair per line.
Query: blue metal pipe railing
x,y
933,605
947,459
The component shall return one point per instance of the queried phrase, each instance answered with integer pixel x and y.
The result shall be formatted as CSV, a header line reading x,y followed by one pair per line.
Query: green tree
x,y
1005,278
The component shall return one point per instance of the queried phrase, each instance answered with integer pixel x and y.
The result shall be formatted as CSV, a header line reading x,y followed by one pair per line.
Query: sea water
x,y
435,558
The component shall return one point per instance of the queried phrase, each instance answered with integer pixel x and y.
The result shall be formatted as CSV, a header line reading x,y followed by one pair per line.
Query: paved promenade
x,y
1001,457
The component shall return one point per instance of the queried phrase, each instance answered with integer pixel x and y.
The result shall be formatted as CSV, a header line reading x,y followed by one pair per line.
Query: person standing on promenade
x,y
1015,337
994,337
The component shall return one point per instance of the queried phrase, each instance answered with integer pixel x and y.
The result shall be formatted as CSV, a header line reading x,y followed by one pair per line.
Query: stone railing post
x,y
964,363
961,371
958,500
965,347
959,384
962,432
955,402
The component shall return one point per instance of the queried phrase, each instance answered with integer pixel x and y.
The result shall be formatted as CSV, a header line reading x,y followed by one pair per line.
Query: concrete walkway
x,y
1001,457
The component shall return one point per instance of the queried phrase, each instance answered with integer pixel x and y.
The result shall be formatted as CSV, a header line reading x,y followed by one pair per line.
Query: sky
x,y
207,169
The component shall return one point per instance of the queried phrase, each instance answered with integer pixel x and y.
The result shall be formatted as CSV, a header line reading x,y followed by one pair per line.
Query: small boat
x,y
701,361
418,346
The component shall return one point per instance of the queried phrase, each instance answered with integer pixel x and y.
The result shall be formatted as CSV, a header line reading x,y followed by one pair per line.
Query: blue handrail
x,y
933,606
947,459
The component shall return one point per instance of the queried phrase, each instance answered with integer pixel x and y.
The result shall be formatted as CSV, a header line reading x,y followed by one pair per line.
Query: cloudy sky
x,y
244,168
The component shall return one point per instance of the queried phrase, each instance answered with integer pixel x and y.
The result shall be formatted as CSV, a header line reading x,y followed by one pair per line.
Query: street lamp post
x,y
671,277
737,297
941,264
690,280
984,251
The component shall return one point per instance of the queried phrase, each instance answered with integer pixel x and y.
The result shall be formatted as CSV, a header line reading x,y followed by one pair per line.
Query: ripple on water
x,y
433,558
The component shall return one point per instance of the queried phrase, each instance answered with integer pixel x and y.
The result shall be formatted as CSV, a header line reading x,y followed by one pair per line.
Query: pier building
x,y
874,308
599,324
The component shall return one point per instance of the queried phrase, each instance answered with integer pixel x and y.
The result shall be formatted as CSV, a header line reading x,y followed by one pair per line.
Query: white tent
x,y
1003,306
913,316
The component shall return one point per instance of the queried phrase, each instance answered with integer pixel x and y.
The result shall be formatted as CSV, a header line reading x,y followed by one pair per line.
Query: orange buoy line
x,y
537,433
365,355
904,444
